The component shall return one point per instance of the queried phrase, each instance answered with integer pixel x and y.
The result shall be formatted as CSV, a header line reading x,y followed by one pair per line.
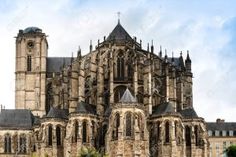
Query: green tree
x,y
231,151
89,152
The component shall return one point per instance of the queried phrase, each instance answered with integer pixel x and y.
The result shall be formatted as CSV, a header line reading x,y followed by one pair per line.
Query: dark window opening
x,y
76,132
58,135
196,135
84,138
120,66
128,124
50,135
117,124
29,63
167,132
7,144
188,136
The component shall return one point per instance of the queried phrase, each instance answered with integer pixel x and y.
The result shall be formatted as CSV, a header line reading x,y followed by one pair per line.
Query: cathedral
x,y
120,98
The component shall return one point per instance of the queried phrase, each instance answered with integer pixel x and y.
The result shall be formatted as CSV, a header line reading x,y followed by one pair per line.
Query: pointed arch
x,y
120,66
22,144
188,135
117,125
84,132
158,131
196,135
167,132
76,131
141,124
128,124
58,135
29,63
50,135
7,143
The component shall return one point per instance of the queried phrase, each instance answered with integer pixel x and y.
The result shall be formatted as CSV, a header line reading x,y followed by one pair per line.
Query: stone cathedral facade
x,y
122,99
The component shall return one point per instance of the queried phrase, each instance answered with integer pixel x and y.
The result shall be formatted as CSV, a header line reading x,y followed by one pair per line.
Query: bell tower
x,y
31,54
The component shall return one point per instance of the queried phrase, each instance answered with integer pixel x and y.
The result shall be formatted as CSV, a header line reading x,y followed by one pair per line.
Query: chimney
x,y
218,120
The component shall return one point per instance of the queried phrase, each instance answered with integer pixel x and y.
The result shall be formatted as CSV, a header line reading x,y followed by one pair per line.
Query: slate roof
x,y
32,30
221,126
178,62
189,113
163,108
119,33
54,64
127,97
16,119
57,113
85,108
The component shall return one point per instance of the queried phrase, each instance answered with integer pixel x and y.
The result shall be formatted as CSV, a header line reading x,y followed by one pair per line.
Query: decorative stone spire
x,y
160,53
127,97
79,52
152,47
188,63
90,46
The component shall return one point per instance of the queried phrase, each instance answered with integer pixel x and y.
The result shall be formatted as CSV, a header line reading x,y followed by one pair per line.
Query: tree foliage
x,y
231,151
89,152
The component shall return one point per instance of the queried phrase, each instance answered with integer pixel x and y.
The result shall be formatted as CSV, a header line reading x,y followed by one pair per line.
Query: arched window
x,y
196,135
128,121
120,66
49,135
188,136
22,144
141,125
76,132
7,144
29,63
117,124
84,137
58,135
167,132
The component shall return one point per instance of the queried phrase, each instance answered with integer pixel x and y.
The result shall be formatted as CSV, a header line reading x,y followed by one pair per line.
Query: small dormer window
x,y
209,133
217,133
231,133
223,133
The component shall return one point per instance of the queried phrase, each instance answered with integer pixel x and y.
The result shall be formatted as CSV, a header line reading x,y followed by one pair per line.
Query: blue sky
x,y
206,28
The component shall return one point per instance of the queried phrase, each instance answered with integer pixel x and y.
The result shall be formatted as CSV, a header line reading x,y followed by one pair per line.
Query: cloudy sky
x,y
206,28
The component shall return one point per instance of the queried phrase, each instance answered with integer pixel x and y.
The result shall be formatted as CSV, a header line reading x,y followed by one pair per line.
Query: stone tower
x,y
31,53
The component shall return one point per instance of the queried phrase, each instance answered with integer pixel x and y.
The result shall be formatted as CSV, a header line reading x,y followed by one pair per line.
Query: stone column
x,y
74,88
111,86
100,87
81,82
135,79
